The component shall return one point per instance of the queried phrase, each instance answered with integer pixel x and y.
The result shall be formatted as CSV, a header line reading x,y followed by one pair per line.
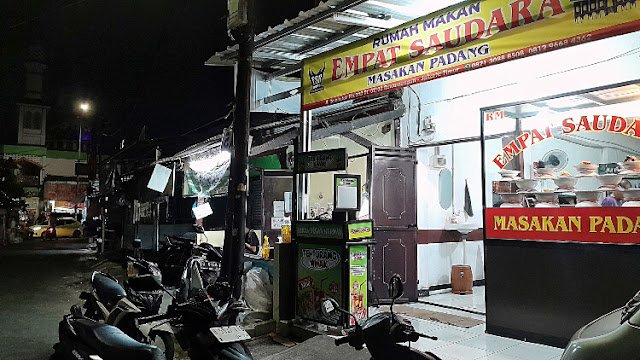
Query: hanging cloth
x,y
467,199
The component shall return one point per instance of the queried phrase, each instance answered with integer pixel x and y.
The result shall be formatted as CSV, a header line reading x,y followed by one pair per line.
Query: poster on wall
x,y
472,35
319,276
358,283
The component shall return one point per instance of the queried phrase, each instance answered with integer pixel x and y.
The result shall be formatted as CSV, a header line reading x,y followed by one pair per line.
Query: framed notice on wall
x,y
346,192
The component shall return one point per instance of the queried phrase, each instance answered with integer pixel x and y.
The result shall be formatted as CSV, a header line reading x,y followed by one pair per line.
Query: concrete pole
x,y
235,228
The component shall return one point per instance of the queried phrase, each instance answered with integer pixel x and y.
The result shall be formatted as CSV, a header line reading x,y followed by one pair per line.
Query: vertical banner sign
x,y
469,36
358,283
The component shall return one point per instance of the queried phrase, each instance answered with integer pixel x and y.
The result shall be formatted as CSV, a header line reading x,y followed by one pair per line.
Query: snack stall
x,y
332,261
332,255
562,216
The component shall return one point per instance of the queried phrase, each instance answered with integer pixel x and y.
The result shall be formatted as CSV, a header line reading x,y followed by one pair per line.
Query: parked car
x,y
65,227
37,230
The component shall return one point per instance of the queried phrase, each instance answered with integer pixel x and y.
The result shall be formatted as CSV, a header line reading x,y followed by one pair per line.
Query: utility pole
x,y
241,24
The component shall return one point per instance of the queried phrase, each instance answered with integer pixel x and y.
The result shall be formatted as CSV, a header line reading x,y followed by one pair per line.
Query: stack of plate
x,y
631,198
547,200
526,185
565,182
609,181
509,174
511,200
586,169
545,173
588,198
630,167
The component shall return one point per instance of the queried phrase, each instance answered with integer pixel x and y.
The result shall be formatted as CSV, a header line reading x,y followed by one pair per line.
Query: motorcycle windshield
x,y
601,326
376,319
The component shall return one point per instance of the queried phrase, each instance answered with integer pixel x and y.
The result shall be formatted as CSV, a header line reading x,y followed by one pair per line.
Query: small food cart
x,y
332,260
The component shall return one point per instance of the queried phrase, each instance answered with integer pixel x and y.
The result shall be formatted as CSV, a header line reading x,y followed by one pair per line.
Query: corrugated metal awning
x,y
333,23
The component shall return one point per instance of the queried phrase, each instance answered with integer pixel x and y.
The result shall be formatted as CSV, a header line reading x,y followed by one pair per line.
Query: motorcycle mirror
x,y
76,311
329,306
396,289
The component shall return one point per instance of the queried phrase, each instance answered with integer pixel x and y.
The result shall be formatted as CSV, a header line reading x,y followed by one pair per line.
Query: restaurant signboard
x,y
469,36
619,225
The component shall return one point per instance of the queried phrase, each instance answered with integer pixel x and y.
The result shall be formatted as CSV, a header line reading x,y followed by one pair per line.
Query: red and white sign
x,y
493,115
586,225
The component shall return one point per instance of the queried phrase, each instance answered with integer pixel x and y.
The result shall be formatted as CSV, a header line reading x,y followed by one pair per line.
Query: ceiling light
x,y
568,102
618,93
321,29
417,8
351,19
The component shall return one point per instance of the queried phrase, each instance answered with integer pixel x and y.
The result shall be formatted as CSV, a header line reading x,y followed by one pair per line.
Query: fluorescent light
x,y
305,36
568,102
210,163
417,9
317,28
351,19
357,12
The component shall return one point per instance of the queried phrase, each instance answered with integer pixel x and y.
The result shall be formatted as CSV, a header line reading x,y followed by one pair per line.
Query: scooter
x,y
109,303
86,339
200,270
205,325
174,254
382,333
614,336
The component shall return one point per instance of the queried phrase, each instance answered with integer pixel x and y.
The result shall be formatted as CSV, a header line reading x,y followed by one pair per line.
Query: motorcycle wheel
x,y
164,341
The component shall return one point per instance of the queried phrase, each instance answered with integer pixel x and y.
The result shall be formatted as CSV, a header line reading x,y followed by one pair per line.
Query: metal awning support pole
x,y
302,180
235,227
156,219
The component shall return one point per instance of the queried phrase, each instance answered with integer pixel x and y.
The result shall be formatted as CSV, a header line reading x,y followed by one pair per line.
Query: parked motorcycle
x,y
205,325
82,338
177,250
614,336
109,302
382,333
200,270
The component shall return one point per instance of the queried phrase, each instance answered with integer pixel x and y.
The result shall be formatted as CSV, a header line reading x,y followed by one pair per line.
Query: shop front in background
x,y
562,197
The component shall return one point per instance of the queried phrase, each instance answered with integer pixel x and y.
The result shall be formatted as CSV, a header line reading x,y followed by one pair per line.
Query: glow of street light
x,y
84,107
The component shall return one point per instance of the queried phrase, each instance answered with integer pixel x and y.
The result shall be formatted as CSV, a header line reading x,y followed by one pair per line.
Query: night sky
x,y
140,62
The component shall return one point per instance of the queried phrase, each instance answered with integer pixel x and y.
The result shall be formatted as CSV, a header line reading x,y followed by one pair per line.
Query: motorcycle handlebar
x,y
152,318
427,336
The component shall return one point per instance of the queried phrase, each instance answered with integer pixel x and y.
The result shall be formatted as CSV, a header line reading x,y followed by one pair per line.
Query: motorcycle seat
x,y
108,290
112,344
144,283
179,240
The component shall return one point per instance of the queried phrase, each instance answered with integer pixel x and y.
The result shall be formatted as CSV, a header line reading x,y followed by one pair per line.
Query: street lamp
x,y
84,107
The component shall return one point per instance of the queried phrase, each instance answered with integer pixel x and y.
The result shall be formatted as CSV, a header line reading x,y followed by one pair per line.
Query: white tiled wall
x,y
435,261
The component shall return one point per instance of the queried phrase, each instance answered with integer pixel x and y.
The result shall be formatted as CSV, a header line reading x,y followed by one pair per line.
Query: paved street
x,y
39,283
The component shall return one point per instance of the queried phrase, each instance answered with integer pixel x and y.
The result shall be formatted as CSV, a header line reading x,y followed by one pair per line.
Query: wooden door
x,y
393,209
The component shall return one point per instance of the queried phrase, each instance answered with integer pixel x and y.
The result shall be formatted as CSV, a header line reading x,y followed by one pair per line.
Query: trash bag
x,y
258,291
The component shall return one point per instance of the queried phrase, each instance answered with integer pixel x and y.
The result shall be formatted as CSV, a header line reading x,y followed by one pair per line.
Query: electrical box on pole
x,y
238,14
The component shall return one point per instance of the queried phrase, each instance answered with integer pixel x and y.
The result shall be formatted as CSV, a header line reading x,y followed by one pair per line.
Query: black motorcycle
x,y
204,325
382,333
177,250
82,338
113,304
